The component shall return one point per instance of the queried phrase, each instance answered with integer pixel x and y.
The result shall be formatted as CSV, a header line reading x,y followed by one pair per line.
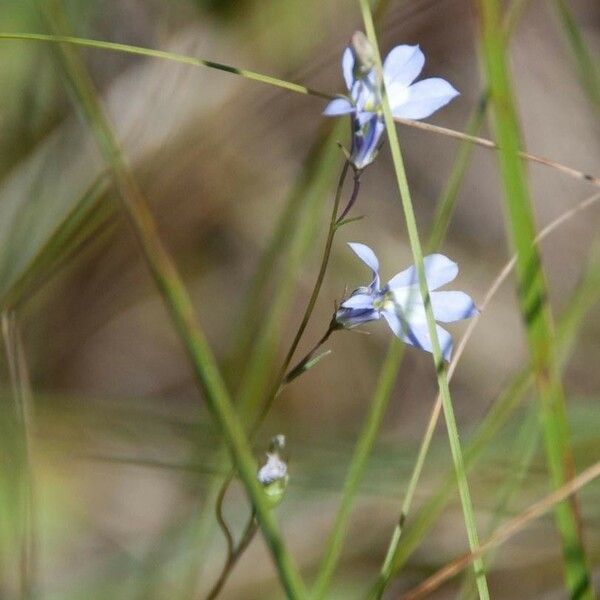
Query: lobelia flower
x,y
399,301
408,100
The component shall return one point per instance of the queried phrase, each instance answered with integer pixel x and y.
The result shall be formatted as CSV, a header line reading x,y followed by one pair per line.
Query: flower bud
x,y
364,57
273,475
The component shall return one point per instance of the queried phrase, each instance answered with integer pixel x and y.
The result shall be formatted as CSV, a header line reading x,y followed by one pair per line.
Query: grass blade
x,y
588,68
181,310
415,244
533,293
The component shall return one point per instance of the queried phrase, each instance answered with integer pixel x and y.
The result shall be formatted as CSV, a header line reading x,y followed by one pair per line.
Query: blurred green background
x,y
103,415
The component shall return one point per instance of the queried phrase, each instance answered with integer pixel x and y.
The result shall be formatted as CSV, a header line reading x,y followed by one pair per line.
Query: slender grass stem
x,y
27,535
172,56
532,291
415,244
587,65
183,315
485,143
526,444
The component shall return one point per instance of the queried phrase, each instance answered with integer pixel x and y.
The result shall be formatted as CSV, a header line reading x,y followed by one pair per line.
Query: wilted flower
x,y
400,303
407,100
273,475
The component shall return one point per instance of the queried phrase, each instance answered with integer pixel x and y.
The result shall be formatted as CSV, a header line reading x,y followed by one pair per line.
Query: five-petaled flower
x,y
408,100
400,303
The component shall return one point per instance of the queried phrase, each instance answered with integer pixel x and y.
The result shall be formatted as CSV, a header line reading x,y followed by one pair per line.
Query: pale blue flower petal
x,y
368,257
395,323
359,301
424,98
417,335
348,67
403,65
452,306
339,106
439,270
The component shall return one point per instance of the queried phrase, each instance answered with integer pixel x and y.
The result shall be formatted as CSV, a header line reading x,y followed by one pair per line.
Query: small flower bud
x,y
273,475
364,57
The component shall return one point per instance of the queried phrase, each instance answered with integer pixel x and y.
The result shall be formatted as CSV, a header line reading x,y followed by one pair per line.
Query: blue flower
x,y
399,301
407,100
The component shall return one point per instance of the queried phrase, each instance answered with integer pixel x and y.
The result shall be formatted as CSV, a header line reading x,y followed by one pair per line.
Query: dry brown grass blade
x,y
485,143
503,533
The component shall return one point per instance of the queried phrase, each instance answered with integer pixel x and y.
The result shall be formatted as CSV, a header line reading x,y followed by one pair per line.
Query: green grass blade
x,y
533,292
88,215
415,243
161,54
587,66
526,444
181,310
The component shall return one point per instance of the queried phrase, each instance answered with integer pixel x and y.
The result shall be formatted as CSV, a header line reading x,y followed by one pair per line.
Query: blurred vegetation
x,y
109,460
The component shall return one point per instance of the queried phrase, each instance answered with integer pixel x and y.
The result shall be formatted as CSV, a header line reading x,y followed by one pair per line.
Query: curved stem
x,y
353,197
234,556
318,283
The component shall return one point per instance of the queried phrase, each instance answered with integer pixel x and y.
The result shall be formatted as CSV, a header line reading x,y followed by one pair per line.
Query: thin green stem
x,y
182,312
525,447
172,56
417,252
320,276
587,65
309,190
532,291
